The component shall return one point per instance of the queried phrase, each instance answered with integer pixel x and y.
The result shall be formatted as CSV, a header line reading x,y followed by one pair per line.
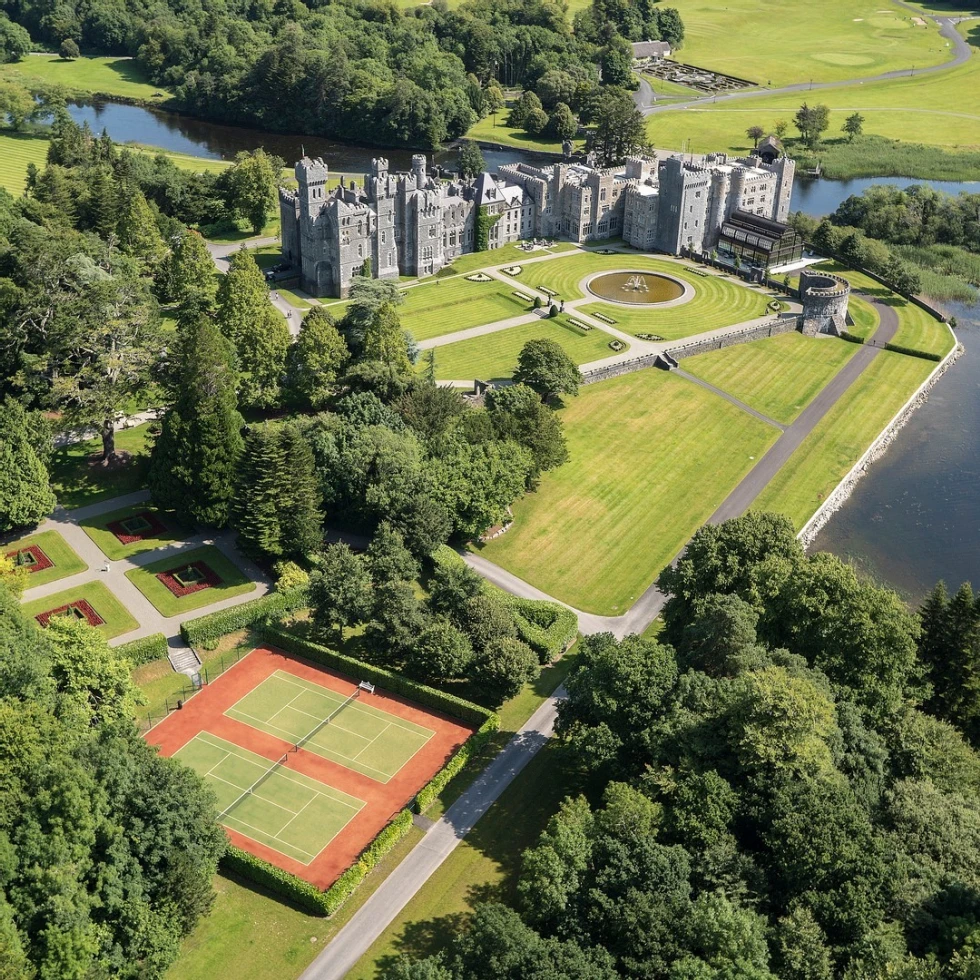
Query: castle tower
x,y
718,203
418,168
311,175
379,167
785,170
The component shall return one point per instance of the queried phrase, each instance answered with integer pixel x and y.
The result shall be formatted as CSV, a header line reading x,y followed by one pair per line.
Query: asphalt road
x,y
371,919
647,104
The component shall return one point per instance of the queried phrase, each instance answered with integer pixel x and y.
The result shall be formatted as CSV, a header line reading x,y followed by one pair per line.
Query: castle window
x,y
360,251
602,194
383,237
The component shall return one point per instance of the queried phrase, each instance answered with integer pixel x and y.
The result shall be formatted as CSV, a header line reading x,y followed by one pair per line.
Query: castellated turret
x,y
418,168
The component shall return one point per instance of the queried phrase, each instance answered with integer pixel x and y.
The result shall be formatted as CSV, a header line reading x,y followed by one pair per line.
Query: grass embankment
x,y
843,435
652,457
441,306
494,356
801,41
917,330
57,549
117,619
865,317
778,376
97,528
941,110
117,78
78,478
253,935
233,581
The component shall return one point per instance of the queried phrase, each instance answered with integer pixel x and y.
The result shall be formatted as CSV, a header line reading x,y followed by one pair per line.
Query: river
x,y
915,517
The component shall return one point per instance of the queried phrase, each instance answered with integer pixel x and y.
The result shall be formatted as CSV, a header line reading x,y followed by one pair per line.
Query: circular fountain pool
x,y
638,288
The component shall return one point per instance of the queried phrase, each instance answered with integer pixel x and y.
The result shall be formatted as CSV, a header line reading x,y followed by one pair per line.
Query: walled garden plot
x,y
46,556
190,580
131,530
92,602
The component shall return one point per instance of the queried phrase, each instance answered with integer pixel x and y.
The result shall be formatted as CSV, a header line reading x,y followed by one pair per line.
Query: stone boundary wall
x,y
769,329
620,367
843,490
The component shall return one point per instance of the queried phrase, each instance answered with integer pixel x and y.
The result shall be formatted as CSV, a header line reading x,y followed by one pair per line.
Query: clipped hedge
x,y
851,337
341,889
427,794
145,649
205,631
277,881
422,694
912,352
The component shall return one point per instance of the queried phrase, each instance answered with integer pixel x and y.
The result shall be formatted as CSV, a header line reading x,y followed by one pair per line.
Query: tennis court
x,y
329,724
276,806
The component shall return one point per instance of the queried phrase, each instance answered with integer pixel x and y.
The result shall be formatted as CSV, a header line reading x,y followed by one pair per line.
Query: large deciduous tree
x,y
339,591
315,361
620,131
250,187
193,469
544,366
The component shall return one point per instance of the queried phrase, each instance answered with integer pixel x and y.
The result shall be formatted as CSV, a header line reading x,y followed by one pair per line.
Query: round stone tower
x,y
824,298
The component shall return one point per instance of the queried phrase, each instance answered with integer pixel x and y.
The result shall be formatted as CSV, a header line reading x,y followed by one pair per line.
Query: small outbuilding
x,y
770,149
650,50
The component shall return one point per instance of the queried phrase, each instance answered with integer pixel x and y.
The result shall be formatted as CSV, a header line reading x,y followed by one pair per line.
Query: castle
x,y
414,223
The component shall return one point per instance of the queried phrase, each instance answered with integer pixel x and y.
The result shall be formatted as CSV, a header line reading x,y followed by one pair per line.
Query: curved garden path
x,y
647,104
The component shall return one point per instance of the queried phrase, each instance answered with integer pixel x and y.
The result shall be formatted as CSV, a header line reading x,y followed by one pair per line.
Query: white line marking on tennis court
x,y
268,836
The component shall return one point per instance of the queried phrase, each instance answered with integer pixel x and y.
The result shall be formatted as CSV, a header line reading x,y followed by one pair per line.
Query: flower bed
x,y
513,270
188,579
479,277
32,558
82,609
137,527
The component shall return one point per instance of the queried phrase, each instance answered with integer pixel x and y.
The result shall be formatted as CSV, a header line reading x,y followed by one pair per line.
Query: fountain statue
x,y
636,284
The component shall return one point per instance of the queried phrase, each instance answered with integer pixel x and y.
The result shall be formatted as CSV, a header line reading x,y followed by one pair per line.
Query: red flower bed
x,y
154,527
82,606
41,560
180,589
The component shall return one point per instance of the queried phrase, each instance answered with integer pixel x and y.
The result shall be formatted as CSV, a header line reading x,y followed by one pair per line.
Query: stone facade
x,y
824,298
415,224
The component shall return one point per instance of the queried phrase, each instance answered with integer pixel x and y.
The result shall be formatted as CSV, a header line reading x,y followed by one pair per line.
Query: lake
x,y
821,196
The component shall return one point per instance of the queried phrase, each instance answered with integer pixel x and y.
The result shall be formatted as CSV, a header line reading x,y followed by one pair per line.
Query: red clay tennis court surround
x,y
82,606
205,711
37,562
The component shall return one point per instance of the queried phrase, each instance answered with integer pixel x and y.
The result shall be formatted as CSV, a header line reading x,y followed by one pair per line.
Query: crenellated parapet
x,y
825,298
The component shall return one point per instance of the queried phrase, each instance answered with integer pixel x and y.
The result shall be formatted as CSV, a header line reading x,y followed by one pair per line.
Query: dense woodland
x,y
355,69
783,784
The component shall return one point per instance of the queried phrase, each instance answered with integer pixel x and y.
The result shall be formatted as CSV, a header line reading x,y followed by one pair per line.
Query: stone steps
x,y
184,659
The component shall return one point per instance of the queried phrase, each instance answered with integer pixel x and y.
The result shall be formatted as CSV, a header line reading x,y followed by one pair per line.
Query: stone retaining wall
x,y
769,329
621,367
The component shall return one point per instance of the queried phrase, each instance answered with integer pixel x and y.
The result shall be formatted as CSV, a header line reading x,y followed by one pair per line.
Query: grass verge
x,y
441,306
66,562
843,435
233,581
778,376
652,456
113,612
78,478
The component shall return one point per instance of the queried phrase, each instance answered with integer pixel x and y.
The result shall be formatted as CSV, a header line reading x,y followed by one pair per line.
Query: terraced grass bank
x,y
494,356
652,456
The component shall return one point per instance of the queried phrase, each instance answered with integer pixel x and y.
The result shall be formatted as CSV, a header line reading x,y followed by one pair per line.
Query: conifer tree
x,y
137,230
315,360
256,329
25,496
194,461
384,339
301,517
261,488
191,275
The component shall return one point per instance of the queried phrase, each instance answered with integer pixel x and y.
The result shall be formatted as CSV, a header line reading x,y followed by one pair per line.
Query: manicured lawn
x,y
97,528
445,305
66,562
78,481
494,129
801,41
718,301
296,301
841,437
778,376
865,317
88,76
494,355
652,457
117,618
917,330
233,582
941,109
160,684
505,255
